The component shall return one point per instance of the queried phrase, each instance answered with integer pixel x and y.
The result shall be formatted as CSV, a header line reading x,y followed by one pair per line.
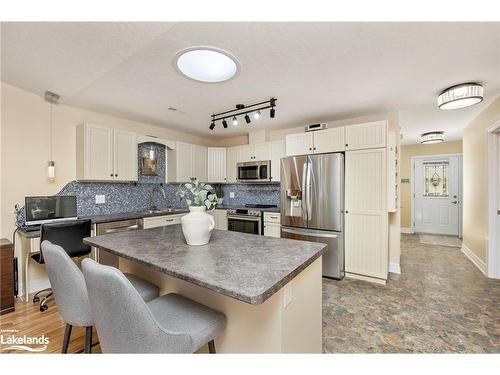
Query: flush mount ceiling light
x,y
461,96
206,64
244,110
431,137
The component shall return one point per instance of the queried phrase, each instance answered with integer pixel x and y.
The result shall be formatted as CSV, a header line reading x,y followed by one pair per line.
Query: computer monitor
x,y
40,210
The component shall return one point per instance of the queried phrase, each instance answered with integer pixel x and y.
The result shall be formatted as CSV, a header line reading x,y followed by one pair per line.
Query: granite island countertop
x,y
247,267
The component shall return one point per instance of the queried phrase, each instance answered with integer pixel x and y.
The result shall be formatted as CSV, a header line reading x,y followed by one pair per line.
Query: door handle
x,y
454,202
309,234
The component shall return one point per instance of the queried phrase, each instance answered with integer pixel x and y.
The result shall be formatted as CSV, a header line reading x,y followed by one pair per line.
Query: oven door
x,y
244,224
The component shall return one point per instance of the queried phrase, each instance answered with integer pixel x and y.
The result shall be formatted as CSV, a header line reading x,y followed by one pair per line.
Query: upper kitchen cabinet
x,y
199,160
187,161
231,161
216,164
366,136
317,142
299,144
105,154
255,152
277,150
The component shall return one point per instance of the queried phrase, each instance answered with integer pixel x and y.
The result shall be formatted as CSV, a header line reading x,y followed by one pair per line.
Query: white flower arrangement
x,y
196,193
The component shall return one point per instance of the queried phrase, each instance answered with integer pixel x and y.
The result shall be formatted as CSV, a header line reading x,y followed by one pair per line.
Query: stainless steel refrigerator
x,y
312,205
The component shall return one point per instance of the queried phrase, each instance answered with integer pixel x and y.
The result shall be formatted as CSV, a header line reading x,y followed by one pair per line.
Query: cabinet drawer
x,y
272,217
159,221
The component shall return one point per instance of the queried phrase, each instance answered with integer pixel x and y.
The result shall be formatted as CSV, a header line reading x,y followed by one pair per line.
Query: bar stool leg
x,y
88,340
211,347
67,335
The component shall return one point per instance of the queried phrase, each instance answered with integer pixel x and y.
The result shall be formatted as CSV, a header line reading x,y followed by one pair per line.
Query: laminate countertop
x,y
247,267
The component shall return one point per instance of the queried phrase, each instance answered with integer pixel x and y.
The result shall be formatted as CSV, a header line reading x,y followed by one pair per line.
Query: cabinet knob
x,y
116,175
310,149
347,145
314,148
111,175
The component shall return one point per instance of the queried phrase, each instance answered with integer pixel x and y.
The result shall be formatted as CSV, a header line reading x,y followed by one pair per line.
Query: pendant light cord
x,y
50,135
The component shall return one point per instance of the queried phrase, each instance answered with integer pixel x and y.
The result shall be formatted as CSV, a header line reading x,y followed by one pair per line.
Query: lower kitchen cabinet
x,y
220,217
272,226
160,221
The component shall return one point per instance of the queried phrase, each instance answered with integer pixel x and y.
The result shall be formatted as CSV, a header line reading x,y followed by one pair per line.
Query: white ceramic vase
x,y
197,226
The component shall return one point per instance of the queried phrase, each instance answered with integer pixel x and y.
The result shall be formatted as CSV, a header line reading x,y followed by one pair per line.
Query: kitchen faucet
x,y
155,189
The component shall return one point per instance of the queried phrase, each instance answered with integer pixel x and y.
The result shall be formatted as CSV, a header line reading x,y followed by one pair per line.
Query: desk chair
x,y
70,292
69,235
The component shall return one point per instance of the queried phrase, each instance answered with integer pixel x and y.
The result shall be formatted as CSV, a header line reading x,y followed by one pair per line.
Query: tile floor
x,y
441,303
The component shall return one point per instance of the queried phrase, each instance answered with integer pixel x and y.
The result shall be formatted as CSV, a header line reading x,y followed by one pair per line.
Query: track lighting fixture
x,y
246,111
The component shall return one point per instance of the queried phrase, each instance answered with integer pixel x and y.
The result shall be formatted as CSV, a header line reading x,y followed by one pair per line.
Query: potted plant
x,y
197,225
219,192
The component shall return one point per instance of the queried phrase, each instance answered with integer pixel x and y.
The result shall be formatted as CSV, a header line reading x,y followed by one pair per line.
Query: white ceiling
x,y
318,71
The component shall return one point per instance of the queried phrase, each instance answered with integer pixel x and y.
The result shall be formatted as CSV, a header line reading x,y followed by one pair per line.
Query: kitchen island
x,y
268,288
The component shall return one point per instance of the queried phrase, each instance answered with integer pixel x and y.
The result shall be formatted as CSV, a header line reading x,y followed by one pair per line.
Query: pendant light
x,y
51,165
151,153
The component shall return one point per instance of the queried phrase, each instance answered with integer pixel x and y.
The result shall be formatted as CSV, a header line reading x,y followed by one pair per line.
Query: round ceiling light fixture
x,y
431,137
206,64
461,96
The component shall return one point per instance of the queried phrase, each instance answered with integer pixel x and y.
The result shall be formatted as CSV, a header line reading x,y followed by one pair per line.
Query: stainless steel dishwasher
x,y
103,256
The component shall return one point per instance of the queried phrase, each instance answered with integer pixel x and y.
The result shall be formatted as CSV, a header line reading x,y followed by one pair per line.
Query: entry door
x,y
437,201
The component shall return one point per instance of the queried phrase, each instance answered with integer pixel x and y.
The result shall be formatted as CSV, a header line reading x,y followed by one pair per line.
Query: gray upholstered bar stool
x,y
126,324
70,292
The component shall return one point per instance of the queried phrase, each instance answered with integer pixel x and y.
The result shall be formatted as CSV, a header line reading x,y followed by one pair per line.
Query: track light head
x,y
256,115
247,119
235,121
272,113
212,126
224,123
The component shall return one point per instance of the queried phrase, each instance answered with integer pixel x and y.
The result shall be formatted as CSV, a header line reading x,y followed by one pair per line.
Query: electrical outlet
x,y
231,194
287,298
100,199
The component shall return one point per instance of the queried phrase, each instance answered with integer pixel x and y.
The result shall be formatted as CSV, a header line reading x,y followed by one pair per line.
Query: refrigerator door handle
x,y
306,233
308,191
304,192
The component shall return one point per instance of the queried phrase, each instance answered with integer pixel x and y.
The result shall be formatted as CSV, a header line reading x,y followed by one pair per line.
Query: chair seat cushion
x,y
147,290
179,314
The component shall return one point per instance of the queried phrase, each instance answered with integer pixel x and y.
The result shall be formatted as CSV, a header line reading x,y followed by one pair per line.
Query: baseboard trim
x,y
365,278
394,268
474,259
407,230
35,286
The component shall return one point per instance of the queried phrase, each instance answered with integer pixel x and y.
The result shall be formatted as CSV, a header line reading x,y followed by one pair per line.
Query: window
x,y
436,179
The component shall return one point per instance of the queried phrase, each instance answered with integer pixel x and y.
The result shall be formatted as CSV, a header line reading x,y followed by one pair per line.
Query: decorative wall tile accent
x,y
159,150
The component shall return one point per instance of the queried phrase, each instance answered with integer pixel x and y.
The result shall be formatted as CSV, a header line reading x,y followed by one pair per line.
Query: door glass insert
x,y
436,180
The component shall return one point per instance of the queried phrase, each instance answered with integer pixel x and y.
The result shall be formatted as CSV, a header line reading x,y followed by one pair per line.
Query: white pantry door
x,y
437,198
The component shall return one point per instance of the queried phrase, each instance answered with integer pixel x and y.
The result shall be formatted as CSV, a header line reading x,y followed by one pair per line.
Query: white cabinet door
x,y
220,217
272,230
231,161
329,140
261,152
184,162
125,155
245,153
98,153
216,164
277,152
299,144
199,161
366,218
365,136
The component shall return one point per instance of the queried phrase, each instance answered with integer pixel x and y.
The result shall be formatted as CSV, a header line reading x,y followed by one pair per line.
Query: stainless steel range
x,y
247,219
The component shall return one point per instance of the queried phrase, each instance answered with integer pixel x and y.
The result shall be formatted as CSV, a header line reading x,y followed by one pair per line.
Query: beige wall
x,y
25,146
475,199
407,151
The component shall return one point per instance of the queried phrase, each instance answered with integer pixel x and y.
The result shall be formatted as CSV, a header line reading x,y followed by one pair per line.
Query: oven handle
x,y
247,218
309,234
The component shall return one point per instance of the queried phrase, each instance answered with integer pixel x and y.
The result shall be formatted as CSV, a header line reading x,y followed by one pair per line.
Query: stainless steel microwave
x,y
254,171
